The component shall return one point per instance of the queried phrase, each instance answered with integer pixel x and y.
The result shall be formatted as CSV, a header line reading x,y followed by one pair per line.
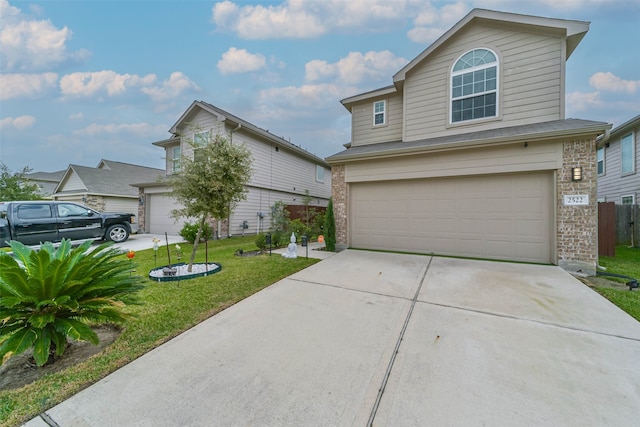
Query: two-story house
x,y
618,158
281,171
468,152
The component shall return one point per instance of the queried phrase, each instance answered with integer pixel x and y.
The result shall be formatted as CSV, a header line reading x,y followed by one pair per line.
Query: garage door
x,y
489,216
159,210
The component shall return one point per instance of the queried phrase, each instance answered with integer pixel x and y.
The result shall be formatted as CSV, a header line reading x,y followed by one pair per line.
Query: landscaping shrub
x,y
261,241
50,295
299,228
330,228
190,231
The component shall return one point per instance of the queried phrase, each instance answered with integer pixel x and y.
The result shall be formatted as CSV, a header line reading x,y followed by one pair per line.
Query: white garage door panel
x,y
160,220
489,216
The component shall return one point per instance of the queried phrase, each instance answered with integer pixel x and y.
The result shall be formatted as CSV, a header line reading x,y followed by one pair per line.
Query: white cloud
x,y
240,61
76,116
432,22
582,101
356,67
88,84
307,19
177,84
27,44
137,129
22,122
612,83
289,20
26,85
306,100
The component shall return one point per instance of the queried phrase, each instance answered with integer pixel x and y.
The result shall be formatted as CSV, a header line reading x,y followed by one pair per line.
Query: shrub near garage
x,y
50,295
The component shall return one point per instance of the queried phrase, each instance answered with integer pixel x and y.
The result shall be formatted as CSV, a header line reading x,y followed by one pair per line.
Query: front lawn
x,y
626,262
169,308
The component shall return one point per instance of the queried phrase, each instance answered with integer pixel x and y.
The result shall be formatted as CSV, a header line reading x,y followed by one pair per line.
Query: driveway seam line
x,y
350,289
392,361
540,322
48,420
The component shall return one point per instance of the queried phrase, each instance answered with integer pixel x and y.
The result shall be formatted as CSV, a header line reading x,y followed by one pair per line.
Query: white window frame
x,y
631,141
474,94
600,151
377,113
200,139
175,161
633,199
319,173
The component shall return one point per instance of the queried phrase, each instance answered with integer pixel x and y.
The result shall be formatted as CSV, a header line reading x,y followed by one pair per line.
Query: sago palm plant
x,y
53,294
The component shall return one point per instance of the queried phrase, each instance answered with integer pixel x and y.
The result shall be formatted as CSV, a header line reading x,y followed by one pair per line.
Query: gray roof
x,y
624,127
531,132
47,181
111,178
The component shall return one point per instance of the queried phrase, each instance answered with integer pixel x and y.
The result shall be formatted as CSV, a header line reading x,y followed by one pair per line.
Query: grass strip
x,y
169,309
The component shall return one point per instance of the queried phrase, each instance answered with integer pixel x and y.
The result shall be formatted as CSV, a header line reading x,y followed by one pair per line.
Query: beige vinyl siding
x,y
613,185
282,170
73,182
121,204
203,121
530,82
261,200
363,130
500,159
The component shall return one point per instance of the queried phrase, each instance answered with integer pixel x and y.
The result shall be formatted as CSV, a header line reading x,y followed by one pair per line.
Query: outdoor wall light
x,y
576,174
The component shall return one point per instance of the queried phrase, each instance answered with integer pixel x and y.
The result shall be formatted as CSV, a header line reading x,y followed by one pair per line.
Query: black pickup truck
x,y
35,222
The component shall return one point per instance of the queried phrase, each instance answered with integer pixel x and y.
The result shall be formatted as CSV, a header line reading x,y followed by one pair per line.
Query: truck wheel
x,y
117,233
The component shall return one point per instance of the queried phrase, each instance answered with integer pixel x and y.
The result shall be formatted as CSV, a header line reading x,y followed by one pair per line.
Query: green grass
x,y
626,262
169,308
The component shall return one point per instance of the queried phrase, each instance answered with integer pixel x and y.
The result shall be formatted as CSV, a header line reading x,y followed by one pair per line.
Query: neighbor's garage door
x,y
488,216
159,211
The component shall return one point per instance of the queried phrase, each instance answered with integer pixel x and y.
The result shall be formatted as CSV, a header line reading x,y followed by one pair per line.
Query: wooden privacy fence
x,y
617,225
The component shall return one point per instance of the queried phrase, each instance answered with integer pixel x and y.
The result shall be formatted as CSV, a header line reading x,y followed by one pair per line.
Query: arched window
x,y
474,86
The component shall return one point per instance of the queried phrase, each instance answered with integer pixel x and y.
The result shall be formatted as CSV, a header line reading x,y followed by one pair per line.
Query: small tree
x,y
279,222
330,228
211,183
15,186
50,295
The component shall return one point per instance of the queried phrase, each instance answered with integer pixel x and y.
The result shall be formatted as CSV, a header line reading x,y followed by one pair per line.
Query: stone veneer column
x,y
141,210
340,196
577,232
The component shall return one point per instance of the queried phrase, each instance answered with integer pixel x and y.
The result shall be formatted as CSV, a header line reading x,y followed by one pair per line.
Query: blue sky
x,y
85,80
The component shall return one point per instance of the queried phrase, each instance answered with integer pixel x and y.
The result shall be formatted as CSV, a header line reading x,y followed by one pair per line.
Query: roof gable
x,y
112,178
573,31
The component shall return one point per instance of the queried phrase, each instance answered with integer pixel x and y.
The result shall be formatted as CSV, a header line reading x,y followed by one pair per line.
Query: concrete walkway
x,y
368,338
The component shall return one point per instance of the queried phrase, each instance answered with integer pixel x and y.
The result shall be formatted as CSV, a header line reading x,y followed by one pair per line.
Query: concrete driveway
x,y
389,340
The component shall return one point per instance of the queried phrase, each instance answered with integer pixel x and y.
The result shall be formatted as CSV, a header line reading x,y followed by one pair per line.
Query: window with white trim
x,y
175,159
319,173
474,86
200,139
600,157
628,200
379,113
628,160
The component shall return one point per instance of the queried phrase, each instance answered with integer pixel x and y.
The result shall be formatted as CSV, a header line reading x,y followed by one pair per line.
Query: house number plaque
x,y
576,200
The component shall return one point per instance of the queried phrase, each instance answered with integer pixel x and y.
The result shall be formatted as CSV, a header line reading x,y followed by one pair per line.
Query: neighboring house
x,y
281,171
107,187
618,160
46,181
469,153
